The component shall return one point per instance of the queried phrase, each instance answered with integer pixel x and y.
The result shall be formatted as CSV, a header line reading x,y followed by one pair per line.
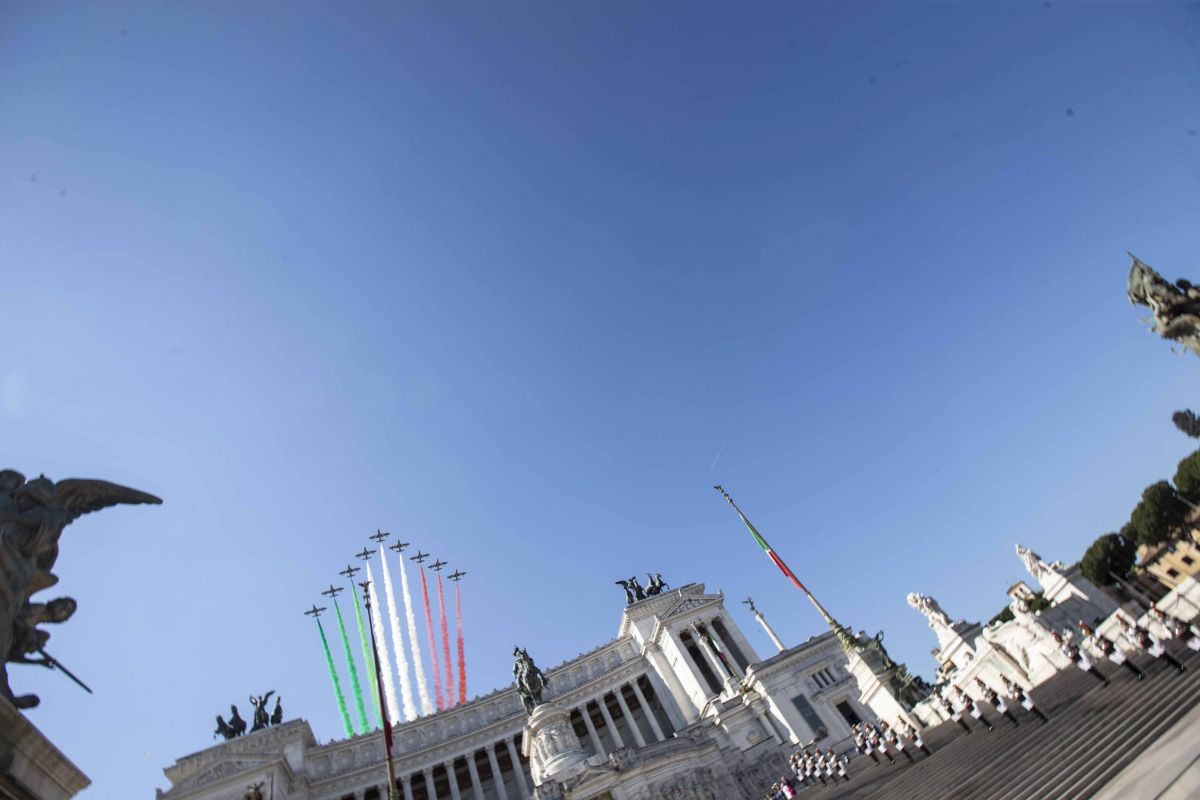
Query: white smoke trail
x,y
385,660
410,712
418,666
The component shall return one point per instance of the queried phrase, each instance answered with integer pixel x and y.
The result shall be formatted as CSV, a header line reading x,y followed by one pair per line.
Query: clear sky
x,y
521,281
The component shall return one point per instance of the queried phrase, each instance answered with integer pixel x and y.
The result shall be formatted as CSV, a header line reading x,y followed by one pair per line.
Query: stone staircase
x,y
1094,732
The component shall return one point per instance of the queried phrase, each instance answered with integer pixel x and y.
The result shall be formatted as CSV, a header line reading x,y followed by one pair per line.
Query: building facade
x,y
678,704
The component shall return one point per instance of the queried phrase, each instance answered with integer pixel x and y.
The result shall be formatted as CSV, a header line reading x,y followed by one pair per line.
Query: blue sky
x,y
509,280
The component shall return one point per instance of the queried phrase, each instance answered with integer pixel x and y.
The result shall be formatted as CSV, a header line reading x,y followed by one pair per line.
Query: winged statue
x,y
33,515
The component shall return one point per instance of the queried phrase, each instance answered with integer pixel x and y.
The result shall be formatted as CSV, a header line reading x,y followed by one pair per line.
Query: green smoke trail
x,y
337,685
358,698
362,634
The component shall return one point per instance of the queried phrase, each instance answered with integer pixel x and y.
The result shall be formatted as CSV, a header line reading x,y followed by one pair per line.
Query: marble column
x,y
452,779
697,671
407,784
714,661
733,665
497,778
648,711
680,710
608,720
476,784
591,729
637,734
430,789
517,768
770,631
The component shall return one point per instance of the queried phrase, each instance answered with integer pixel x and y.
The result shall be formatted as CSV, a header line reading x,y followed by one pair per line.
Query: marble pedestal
x,y
550,744
31,768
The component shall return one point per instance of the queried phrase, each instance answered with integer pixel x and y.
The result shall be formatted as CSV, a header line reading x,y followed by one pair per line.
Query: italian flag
x,y
763,543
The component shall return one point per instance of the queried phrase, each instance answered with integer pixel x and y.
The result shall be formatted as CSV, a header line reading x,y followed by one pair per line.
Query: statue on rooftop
x,y
638,592
1175,307
530,680
33,515
629,600
1036,566
931,609
261,718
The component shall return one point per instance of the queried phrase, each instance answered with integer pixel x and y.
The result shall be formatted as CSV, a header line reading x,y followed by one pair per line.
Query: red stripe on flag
x,y
783,568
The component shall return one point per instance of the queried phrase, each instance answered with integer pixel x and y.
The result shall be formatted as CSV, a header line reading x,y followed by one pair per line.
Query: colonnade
x,y
630,715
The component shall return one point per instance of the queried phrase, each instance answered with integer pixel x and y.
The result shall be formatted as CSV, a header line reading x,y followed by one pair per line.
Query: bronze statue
x,y
33,515
530,680
254,792
236,723
638,592
1176,307
628,592
223,729
261,718
655,583
277,714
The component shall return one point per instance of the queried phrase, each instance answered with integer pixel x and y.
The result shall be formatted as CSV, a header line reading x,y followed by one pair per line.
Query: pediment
x,y
688,605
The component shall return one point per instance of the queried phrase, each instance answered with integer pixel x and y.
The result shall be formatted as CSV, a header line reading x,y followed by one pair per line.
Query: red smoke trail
x,y
462,653
445,645
437,680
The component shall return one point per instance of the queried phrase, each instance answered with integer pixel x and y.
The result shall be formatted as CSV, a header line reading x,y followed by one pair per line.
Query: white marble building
x,y
678,704
1021,649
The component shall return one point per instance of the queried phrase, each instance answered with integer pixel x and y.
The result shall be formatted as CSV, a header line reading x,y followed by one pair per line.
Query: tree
x,y
1110,553
1187,477
1158,515
1187,422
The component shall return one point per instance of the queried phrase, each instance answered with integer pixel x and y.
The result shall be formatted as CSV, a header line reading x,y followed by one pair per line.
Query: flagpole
x,y
387,725
838,629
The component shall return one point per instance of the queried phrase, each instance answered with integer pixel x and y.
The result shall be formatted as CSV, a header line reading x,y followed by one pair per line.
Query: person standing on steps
x,y
1019,695
839,765
914,736
1107,648
895,741
1071,652
863,744
877,741
1143,640
969,704
954,713
993,697
1188,634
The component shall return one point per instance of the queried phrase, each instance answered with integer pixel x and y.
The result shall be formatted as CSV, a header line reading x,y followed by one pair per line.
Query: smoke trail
x,y
337,685
354,685
370,662
385,660
445,644
462,653
418,664
410,713
437,676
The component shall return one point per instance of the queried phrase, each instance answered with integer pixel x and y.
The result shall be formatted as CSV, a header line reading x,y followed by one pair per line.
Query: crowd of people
x,y
811,766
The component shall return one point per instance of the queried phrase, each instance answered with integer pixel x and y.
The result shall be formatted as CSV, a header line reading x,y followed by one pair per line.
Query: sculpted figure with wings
x,y
33,515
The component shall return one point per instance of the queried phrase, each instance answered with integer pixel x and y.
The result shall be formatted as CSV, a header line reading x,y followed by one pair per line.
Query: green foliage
x,y
1110,553
1004,616
1187,422
1158,515
1038,603
1187,477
